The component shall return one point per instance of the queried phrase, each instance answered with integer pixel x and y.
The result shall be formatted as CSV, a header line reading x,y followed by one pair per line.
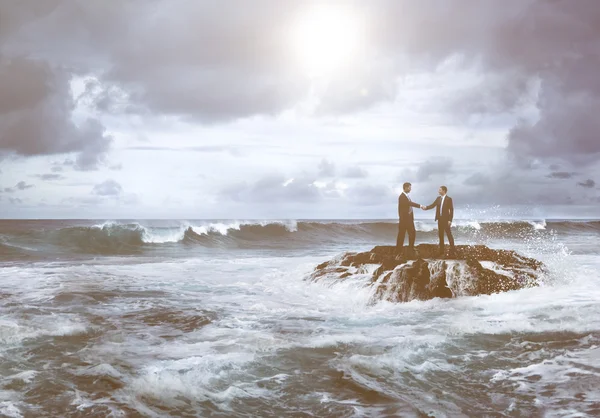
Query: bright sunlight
x,y
326,39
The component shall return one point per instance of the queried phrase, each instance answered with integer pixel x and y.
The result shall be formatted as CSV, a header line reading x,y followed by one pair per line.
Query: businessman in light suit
x,y
444,213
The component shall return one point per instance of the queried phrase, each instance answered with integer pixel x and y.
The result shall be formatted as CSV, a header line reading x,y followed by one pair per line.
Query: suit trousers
x,y
406,226
444,227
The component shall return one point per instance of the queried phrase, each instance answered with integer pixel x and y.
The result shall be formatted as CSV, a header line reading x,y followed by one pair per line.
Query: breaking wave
x,y
135,237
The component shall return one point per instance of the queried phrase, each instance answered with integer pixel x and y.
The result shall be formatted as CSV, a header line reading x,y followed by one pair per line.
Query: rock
x,y
472,270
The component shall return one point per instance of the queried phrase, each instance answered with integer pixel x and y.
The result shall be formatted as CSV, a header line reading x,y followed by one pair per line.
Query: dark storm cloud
x,y
204,60
108,188
35,98
516,44
555,43
212,62
561,175
216,61
588,184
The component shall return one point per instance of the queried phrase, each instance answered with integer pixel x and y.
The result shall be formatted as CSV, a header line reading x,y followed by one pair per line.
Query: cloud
x,y
19,186
551,45
588,184
512,185
432,167
237,62
108,188
232,149
477,179
273,189
89,201
36,111
326,168
531,64
561,175
116,167
371,195
355,173
23,186
50,177
277,189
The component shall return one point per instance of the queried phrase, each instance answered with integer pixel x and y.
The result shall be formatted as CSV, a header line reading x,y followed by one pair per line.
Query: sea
x,y
217,318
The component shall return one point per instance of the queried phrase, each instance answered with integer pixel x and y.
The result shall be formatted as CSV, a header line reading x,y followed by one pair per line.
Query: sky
x,y
204,109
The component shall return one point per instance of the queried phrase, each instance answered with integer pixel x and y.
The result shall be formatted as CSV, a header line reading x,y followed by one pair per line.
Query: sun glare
x,y
326,40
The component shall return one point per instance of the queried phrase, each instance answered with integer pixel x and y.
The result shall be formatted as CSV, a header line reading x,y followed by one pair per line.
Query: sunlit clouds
x,y
293,109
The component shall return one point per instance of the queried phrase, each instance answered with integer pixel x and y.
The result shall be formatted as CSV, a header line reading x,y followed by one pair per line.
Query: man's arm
x,y
399,206
433,205
451,209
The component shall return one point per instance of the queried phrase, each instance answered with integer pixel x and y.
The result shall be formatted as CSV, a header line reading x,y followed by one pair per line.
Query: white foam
x,y
10,409
428,226
262,307
538,225
156,235
163,235
219,228
12,333
558,378
193,377
106,225
224,228
26,376
490,265
101,370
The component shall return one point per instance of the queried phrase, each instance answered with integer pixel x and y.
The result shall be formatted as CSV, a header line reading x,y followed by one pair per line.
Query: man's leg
x,y
450,237
400,237
441,229
412,234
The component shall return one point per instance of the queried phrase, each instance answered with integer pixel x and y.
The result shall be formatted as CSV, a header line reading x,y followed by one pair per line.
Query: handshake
x,y
423,207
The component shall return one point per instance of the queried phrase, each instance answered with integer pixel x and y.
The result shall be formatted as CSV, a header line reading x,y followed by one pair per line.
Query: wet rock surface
x,y
424,274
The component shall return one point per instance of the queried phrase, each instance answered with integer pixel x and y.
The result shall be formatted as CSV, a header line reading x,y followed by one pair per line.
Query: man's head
x,y
443,190
406,187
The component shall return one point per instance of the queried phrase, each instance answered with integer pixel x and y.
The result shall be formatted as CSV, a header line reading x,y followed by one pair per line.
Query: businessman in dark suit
x,y
444,213
406,220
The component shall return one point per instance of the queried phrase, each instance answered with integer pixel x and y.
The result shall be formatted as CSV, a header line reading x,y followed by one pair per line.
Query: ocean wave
x,y
115,237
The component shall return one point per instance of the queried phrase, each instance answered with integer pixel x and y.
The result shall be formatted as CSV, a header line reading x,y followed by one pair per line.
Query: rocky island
x,y
472,270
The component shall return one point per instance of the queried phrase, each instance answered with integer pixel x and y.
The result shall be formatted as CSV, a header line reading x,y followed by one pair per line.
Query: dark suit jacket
x,y
404,205
445,213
